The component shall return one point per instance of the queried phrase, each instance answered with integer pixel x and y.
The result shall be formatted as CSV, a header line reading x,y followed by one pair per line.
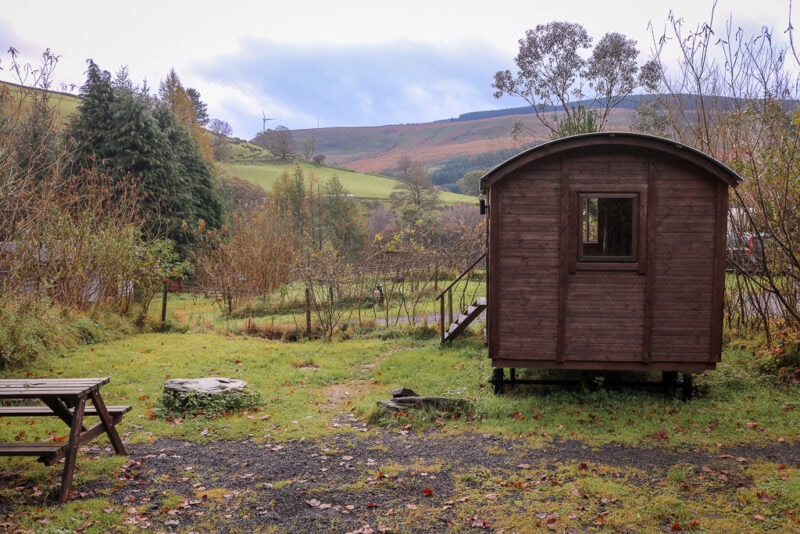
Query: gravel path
x,y
364,483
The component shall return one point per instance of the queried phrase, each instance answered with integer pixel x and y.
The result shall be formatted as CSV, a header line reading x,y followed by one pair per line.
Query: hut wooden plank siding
x,y
606,251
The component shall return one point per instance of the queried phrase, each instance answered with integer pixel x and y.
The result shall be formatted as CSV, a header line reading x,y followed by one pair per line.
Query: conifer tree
x,y
141,150
195,171
200,108
116,130
189,110
89,127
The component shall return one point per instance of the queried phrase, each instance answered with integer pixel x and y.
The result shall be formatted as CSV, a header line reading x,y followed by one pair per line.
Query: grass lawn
x,y
735,411
285,310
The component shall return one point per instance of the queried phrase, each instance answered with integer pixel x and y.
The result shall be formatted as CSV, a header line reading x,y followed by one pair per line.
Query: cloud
x,y
351,85
348,63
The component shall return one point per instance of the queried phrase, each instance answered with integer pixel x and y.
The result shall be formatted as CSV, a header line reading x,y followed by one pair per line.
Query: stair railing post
x,y
450,305
441,318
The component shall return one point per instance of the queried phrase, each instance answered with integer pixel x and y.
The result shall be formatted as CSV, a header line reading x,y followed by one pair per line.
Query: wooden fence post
x,y
164,292
308,312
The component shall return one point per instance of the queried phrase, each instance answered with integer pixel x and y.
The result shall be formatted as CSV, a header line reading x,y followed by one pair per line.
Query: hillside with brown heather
x,y
377,149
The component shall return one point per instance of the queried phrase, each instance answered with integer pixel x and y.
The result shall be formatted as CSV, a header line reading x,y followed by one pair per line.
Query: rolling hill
x,y
377,149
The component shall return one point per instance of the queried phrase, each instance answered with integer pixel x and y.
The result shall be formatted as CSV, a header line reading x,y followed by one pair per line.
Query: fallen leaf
x,y
477,522
661,435
315,503
762,495
427,492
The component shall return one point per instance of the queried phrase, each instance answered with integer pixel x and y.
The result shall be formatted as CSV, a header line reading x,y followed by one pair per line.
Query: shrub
x,y
194,403
28,329
782,355
88,331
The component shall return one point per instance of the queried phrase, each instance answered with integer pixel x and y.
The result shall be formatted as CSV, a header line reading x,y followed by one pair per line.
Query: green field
x,y
364,186
12,94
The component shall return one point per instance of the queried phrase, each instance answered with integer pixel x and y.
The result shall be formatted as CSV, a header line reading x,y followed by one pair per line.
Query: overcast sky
x,y
322,63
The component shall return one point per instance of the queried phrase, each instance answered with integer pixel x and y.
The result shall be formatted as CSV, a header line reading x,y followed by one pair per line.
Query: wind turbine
x,y
264,120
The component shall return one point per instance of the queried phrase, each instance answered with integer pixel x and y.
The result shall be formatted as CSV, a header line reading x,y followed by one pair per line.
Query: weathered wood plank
x,y
48,388
35,411
30,449
601,354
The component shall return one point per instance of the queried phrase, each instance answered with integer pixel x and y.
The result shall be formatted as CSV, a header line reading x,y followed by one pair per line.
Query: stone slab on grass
x,y
204,385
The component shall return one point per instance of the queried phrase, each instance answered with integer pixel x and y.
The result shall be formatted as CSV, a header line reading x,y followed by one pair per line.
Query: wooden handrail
x,y
446,307
454,282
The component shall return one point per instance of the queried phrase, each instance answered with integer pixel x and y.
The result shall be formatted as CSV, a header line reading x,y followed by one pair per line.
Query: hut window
x,y
608,227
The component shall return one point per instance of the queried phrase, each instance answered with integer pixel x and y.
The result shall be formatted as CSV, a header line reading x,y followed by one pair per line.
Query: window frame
x,y
636,261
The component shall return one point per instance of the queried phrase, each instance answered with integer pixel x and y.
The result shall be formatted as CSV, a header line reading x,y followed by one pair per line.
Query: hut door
x,y
603,306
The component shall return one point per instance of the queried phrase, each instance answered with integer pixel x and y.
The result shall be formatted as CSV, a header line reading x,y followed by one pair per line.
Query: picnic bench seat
x,y
48,453
35,411
18,448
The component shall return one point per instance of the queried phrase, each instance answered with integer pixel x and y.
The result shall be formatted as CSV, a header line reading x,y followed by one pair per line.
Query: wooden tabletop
x,y
39,388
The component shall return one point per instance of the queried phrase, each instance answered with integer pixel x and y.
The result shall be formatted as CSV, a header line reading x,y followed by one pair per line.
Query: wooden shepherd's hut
x,y
606,251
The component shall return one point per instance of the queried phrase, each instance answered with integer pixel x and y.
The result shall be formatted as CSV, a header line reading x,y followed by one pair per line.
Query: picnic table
x,y
65,398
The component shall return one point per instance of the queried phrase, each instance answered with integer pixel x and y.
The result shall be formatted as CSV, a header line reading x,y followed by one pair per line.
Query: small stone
x,y
415,402
404,392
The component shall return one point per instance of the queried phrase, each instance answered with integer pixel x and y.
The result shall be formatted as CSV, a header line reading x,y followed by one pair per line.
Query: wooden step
x,y
464,319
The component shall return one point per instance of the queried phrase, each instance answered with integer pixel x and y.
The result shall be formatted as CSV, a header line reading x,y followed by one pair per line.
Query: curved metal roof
x,y
666,147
